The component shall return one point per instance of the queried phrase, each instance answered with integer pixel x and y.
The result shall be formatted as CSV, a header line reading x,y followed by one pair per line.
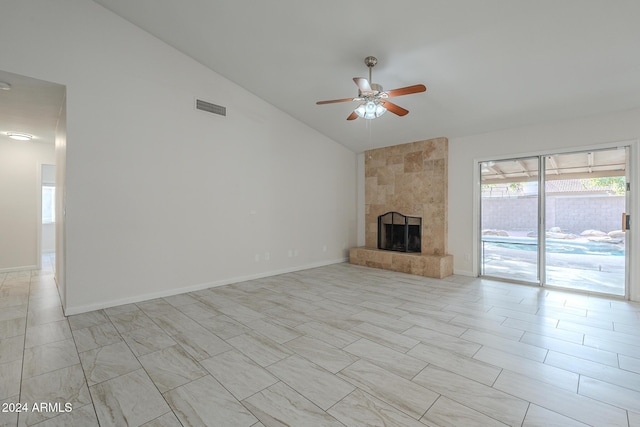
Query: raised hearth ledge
x,y
437,266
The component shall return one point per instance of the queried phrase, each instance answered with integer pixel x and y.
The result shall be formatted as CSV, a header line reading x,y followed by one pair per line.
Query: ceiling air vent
x,y
211,108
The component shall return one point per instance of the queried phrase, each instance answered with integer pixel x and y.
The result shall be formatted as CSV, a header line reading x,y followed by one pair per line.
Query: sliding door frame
x,y
542,218
632,270
480,246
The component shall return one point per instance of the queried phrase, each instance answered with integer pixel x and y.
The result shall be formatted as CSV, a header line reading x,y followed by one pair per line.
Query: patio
x,y
516,259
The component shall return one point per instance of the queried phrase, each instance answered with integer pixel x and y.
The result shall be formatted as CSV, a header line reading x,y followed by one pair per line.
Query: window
x,y
48,204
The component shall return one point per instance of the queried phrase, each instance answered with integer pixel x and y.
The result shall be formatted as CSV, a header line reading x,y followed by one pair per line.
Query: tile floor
x,y
339,346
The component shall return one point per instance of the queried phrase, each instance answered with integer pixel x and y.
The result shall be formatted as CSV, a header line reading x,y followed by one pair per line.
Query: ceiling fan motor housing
x,y
376,91
370,61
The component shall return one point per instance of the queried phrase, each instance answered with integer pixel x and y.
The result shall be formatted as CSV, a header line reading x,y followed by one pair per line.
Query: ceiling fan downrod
x,y
370,61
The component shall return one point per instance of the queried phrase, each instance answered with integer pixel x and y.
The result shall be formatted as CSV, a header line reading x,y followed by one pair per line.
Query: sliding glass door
x,y
509,205
570,234
585,198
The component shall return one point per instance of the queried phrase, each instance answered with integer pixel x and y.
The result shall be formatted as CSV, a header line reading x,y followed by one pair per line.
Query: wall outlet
x,y
467,257
267,256
324,248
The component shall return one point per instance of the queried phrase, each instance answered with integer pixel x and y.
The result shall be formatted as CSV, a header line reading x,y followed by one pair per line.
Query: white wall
x,y
61,189
160,197
583,133
20,163
48,239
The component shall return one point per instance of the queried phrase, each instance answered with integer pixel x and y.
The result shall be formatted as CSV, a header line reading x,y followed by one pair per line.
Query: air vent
x,y
211,108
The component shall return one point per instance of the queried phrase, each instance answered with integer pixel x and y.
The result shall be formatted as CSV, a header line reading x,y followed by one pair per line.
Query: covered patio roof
x,y
588,164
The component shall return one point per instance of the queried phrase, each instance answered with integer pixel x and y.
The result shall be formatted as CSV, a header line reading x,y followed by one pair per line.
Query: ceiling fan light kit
x,y
370,110
373,99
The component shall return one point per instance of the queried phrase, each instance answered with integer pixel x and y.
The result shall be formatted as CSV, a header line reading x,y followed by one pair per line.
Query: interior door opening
x,y
48,218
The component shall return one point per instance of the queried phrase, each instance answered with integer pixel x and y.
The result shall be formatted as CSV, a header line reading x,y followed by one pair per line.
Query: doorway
x,y
48,218
37,110
556,220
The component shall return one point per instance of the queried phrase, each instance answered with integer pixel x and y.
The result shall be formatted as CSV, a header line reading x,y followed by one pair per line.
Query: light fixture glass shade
x,y
19,136
370,110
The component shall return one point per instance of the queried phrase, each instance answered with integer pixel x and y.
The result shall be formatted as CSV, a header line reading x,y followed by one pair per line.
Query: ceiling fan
x,y
373,99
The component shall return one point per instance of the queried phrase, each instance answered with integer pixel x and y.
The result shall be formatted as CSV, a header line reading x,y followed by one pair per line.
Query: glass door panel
x,y
509,219
585,197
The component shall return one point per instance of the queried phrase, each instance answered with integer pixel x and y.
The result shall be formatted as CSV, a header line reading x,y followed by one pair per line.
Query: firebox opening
x,y
397,232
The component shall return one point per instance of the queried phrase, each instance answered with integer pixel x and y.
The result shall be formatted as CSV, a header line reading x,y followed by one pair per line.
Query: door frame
x,y
633,206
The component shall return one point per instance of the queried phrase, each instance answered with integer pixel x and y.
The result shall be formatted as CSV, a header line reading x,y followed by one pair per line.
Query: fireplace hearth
x,y
397,232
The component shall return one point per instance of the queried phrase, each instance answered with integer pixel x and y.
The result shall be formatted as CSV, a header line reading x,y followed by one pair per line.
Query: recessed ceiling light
x,y
5,86
19,136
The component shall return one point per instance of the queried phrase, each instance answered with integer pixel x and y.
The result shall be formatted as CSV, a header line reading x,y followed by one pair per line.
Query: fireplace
x,y
397,232
413,179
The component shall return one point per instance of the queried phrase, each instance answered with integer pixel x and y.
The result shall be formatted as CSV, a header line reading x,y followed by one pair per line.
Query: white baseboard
x,y
69,311
464,273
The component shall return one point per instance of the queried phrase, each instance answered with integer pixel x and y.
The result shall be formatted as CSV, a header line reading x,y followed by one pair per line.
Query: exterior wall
x,y
517,214
410,179
576,214
570,214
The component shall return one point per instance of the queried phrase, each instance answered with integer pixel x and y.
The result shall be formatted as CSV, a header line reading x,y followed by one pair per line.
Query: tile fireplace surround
x,y
410,179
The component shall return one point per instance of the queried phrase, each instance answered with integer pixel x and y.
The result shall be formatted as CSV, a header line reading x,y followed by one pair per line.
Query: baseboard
x,y
13,269
69,311
464,273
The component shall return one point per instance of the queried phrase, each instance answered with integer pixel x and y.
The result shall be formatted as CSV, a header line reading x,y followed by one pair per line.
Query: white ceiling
x,y
31,106
487,65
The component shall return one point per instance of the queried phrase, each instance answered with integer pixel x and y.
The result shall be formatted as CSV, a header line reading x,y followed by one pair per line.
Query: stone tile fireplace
x,y
410,179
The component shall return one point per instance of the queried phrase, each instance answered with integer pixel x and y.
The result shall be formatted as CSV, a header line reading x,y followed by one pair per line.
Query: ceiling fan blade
x,y
353,114
363,84
395,109
333,101
405,90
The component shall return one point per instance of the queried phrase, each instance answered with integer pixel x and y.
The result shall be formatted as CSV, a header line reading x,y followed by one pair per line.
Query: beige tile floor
x,y
340,346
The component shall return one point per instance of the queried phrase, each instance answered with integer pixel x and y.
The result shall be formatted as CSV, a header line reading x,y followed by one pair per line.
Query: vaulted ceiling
x,y
487,65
